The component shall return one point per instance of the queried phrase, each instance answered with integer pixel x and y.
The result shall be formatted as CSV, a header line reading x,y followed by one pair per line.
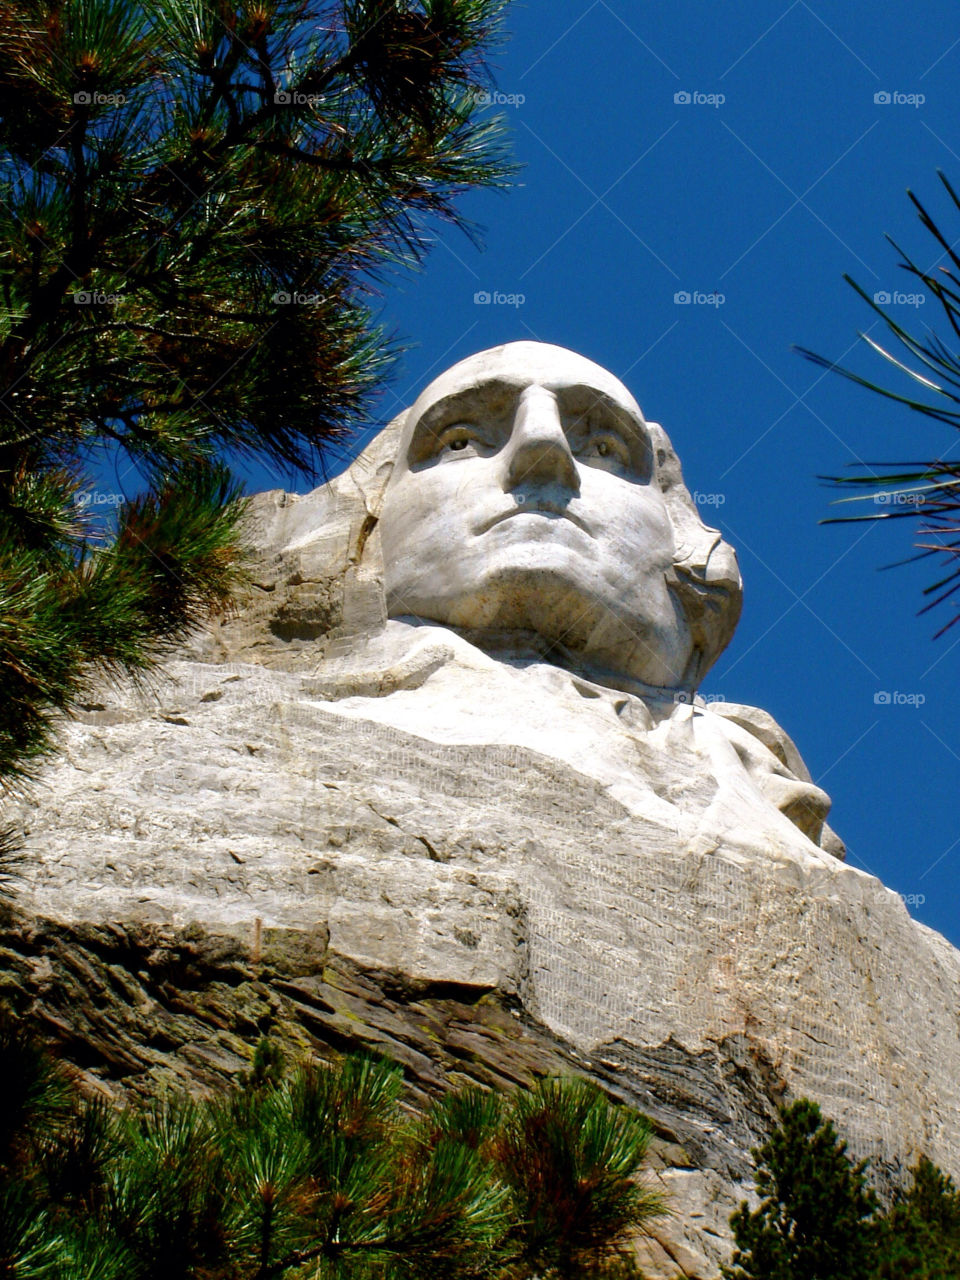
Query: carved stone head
x,y
523,501
529,495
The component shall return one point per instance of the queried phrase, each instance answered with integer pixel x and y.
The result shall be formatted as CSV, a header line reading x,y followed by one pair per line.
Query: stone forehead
x,y
524,363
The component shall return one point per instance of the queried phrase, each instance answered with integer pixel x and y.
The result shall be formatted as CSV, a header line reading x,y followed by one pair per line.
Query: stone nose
x,y
538,450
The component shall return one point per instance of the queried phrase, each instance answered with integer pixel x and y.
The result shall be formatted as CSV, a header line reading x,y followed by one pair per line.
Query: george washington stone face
x,y
528,496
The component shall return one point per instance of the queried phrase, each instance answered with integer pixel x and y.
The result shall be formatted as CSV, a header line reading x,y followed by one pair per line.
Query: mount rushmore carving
x,y
453,734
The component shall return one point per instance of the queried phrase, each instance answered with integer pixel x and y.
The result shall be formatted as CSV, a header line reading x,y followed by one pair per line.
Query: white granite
x,y
477,789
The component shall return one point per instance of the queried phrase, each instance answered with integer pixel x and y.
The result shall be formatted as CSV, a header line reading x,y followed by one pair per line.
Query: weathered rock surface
x,y
141,1008
701,979
484,858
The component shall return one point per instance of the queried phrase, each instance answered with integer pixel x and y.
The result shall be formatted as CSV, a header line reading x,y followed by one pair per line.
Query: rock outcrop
x,y
141,1008
352,830
234,821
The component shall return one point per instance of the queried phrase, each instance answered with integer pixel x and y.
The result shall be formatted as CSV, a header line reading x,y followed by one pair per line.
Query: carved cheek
x,y
424,521
642,528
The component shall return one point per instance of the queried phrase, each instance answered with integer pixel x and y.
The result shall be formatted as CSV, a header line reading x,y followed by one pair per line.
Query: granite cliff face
x,y
351,830
234,809
138,1008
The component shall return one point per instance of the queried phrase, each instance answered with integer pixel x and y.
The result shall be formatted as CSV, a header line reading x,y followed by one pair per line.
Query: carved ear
x,y
319,567
705,577
371,470
364,484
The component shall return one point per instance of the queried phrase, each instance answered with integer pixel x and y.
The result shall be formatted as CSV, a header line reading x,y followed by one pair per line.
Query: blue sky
x,y
780,173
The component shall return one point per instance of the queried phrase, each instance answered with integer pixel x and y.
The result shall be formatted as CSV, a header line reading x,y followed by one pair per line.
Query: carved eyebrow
x,y
474,402
493,397
468,399
504,389
583,399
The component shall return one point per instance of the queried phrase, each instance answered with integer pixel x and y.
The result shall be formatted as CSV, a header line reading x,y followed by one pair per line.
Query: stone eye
x,y
458,444
604,447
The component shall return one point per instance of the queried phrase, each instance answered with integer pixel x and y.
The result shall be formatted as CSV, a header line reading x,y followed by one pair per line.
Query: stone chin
x,y
538,592
530,496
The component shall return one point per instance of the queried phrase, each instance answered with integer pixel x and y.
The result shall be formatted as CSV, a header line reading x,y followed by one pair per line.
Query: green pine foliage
x,y
818,1219
317,1172
570,1160
571,1164
197,200
919,1239
928,371
816,1216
